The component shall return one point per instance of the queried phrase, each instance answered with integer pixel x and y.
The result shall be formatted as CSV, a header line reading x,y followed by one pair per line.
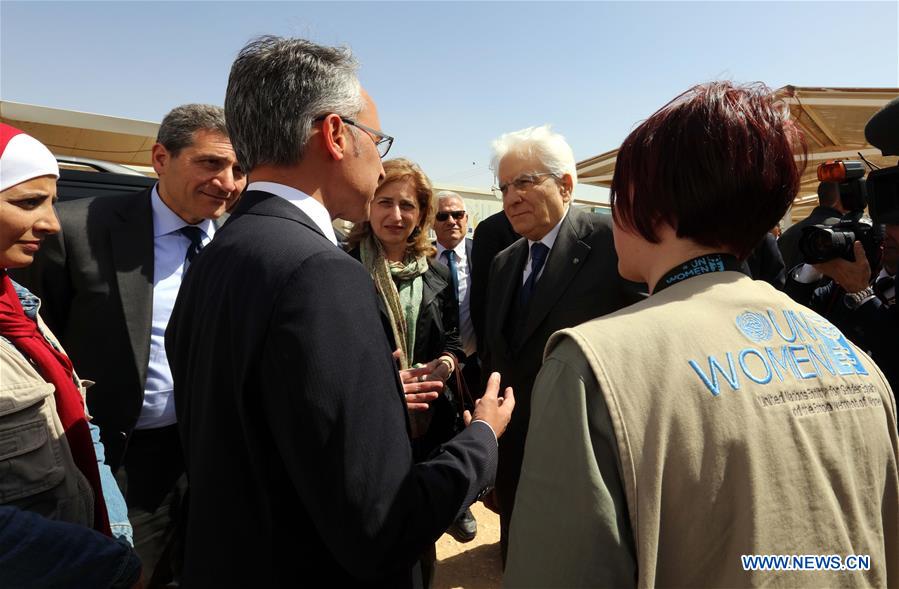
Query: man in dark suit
x,y
829,207
290,407
108,281
454,251
562,273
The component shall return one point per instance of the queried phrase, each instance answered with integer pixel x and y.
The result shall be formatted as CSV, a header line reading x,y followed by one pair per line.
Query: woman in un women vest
x,y
717,419
51,461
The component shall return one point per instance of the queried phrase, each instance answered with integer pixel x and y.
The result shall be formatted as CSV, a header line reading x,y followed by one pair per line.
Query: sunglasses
x,y
443,216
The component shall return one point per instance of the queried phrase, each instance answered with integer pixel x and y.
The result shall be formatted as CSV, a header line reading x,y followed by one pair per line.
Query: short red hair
x,y
716,164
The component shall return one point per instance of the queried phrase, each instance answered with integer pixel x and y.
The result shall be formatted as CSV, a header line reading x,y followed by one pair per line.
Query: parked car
x,y
83,177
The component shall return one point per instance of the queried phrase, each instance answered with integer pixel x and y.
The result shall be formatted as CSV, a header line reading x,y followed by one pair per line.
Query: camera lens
x,y
819,244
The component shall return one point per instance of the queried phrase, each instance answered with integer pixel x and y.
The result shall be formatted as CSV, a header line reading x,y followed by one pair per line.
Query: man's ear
x,y
334,136
160,157
567,187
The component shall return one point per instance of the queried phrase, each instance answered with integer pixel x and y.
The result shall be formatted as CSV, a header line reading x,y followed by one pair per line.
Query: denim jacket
x,y
115,503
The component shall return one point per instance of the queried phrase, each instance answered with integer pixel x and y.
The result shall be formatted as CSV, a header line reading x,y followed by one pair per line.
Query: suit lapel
x,y
132,255
565,260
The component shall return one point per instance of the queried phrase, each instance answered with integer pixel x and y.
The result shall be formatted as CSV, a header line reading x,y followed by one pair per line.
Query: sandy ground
x,y
475,565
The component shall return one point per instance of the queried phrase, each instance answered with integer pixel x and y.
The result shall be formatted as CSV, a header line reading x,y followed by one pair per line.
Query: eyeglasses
x,y
521,182
382,141
444,215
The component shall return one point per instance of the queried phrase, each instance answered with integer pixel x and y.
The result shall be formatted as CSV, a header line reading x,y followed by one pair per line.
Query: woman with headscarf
x,y
50,457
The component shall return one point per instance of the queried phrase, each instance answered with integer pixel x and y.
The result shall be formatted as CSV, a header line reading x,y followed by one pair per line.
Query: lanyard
x,y
697,267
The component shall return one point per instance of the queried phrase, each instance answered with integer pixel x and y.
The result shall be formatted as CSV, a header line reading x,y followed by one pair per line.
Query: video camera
x,y
820,243
879,193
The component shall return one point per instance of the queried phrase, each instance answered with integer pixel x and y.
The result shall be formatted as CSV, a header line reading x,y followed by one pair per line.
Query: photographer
x,y
874,322
829,207
857,300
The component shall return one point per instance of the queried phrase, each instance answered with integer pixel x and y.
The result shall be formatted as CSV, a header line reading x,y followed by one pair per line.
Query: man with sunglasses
x,y
563,272
290,407
454,251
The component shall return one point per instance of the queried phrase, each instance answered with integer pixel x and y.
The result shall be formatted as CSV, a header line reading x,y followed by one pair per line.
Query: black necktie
x,y
450,256
539,251
195,235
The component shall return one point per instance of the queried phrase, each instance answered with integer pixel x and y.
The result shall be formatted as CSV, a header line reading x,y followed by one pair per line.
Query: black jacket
x,y
436,332
437,328
293,421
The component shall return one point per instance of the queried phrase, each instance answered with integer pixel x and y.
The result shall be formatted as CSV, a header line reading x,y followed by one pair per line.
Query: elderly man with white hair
x,y
562,272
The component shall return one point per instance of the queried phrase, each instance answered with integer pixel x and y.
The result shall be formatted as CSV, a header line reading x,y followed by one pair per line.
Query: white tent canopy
x,y
832,119
86,135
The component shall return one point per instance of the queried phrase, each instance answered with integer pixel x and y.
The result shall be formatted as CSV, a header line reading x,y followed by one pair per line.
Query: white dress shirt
x,y
313,209
549,240
169,249
466,329
890,293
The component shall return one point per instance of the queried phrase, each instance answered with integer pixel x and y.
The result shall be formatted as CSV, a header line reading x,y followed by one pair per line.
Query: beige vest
x,y
37,471
746,424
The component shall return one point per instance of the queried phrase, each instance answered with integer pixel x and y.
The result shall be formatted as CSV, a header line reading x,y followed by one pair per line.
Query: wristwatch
x,y
854,300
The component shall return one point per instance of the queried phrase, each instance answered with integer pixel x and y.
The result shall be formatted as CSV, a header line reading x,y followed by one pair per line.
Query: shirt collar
x,y
166,221
550,238
459,249
314,209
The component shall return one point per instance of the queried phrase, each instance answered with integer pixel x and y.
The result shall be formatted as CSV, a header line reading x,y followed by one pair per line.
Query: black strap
x,y
463,398
697,267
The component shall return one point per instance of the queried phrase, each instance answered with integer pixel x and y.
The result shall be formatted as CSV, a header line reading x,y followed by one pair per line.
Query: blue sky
x,y
450,77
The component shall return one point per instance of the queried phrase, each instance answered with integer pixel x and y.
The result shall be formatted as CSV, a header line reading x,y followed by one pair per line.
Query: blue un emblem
x,y
755,326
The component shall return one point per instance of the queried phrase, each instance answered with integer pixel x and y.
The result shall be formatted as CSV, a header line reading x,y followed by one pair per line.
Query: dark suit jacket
x,y
95,281
292,417
580,282
789,240
492,235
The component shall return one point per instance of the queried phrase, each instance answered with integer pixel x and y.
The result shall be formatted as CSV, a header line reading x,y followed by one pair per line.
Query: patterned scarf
x,y
401,287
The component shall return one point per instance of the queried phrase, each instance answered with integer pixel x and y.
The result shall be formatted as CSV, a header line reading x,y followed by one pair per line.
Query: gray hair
x,y
550,149
443,194
278,86
177,128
